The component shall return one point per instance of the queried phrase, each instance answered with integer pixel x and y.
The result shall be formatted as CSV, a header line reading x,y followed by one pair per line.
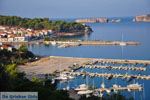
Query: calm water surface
x,y
139,32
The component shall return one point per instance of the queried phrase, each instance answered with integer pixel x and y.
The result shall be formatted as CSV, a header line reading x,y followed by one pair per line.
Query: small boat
x,y
53,42
64,77
123,43
100,95
103,85
129,78
70,77
53,81
134,85
108,91
109,77
84,92
81,87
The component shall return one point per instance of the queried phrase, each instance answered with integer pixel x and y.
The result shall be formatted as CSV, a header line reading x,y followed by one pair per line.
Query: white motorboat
x,y
85,92
81,87
134,85
123,43
108,91
103,85
62,77
53,42
115,86
70,77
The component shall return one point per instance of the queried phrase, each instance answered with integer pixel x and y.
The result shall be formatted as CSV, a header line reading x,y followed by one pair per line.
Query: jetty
x,y
91,42
109,75
115,67
119,88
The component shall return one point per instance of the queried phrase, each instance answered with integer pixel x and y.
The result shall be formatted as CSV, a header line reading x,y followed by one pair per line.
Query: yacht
x,y
64,77
134,85
84,92
53,42
81,87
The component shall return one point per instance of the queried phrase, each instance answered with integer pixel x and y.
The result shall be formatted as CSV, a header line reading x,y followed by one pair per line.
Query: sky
x,y
74,8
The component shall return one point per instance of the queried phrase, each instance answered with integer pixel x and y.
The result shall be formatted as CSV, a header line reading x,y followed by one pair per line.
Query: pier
x,y
92,42
119,89
114,67
109,75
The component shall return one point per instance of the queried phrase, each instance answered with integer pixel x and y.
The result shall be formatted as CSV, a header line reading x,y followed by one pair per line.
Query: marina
x,y
121,58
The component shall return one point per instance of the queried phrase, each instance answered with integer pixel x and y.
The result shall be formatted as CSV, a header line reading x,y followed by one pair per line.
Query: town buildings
x,y
16,34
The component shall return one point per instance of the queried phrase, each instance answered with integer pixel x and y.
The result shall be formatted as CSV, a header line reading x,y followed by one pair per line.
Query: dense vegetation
x,y
111,97
13,80
41,23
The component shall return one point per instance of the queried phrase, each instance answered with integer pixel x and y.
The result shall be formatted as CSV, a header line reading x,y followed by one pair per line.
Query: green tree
x,y
23,48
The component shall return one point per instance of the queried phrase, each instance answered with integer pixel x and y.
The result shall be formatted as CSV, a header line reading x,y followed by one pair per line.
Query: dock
x,y
91,42
109,75
115,67
119,89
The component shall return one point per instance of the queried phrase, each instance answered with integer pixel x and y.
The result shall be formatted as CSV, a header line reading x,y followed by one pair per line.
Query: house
x,y
3,39
4,27
6,46
10,39
19,38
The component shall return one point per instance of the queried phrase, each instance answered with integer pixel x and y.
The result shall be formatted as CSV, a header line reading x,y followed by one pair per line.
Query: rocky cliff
x,y
143,18
92,20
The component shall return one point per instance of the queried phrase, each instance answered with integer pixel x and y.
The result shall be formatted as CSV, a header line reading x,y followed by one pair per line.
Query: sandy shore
x,y
49,64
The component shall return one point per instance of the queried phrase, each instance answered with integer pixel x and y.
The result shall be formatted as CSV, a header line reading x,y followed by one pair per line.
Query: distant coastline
x,y
139,18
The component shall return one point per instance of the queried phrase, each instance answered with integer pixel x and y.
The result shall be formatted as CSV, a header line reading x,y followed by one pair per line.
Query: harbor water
x,y
130,31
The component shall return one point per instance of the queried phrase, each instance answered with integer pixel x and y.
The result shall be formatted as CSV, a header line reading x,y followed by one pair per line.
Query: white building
x,y
19,38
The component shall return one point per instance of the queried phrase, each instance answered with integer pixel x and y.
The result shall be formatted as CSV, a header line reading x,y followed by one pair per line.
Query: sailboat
x,y
123,43
115,87
84,88
103,85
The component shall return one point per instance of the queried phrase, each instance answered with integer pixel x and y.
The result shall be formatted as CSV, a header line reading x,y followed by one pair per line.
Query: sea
x,y
126,31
